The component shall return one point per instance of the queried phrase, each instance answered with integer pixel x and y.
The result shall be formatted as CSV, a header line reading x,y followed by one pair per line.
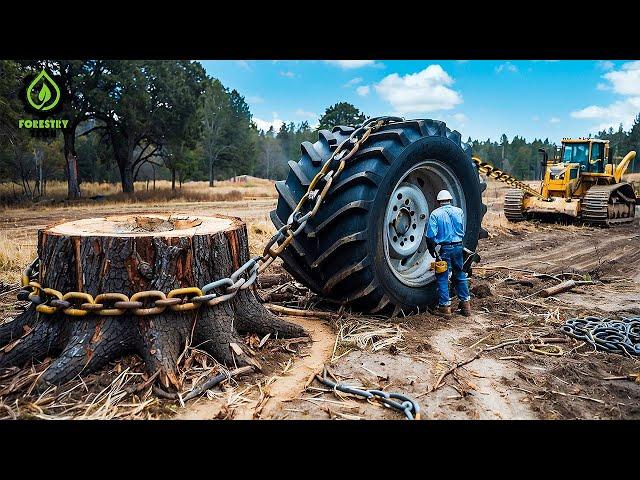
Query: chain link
x,y
492,172
615,336
50,301
406,405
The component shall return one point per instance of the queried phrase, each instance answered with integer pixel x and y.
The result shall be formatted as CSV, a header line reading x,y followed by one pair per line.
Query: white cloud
x,y
421,92
255,99
535,118
625,81
288,74
621,111
506,67
363,90
243,64
353,82
351,64
264,125
605,64
303,113
458,120
554,120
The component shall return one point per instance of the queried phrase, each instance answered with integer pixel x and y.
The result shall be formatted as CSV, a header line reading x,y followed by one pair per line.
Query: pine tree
x,y
633,142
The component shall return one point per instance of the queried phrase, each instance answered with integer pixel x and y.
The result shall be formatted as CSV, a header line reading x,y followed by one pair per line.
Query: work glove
x,y
431,246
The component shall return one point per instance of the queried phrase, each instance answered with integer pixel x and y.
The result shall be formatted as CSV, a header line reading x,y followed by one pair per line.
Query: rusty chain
x,y
492,172
151,302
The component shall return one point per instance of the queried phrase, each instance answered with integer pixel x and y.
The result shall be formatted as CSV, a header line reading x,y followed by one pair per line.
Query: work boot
x,y
444,310
465,308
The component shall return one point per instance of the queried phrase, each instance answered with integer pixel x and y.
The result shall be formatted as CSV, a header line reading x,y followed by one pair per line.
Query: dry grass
x,y
259,234
633,179
122,391
365,334
227,190
100,397
14,256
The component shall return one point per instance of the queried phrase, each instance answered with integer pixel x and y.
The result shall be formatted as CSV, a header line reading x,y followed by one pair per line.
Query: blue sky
x,y
480,98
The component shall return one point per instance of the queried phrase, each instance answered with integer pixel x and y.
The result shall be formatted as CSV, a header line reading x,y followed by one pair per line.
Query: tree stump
x,y
129,254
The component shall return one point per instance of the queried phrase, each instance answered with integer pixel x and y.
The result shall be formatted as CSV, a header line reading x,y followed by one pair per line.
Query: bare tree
x,y
270,154
23,166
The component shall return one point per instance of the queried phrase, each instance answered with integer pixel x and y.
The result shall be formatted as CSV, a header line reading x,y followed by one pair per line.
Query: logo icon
x,y
43,93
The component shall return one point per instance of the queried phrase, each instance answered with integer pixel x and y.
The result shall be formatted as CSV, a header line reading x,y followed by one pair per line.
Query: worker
x,y
446,228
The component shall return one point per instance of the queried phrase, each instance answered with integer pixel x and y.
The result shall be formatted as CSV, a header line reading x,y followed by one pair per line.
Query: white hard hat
x,y
444,195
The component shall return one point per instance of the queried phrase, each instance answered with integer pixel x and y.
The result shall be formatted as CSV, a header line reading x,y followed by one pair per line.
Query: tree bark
x,y
212,163
71,163
126,174
123,149
127,254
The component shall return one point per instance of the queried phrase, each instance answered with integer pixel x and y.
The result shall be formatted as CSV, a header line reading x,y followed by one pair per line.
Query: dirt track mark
x,y
490,399
291,386
567,249
283,388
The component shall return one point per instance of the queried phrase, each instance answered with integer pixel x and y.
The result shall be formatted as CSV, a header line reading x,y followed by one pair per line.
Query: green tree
x,y
182,161
17,157
633,141
341,113
11,74
80,80
147,105
237,160
505,151
216,124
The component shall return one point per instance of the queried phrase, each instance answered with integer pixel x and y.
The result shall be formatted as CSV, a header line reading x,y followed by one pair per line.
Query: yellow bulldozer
x,y
583,182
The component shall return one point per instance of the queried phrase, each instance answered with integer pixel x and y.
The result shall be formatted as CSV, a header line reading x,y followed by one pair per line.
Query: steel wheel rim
x,y
407,257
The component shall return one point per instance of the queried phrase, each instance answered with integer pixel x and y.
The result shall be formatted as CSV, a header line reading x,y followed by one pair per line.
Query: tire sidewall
x,y
451,154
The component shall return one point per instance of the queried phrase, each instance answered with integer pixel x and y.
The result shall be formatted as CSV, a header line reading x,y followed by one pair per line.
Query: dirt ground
x,y
411,354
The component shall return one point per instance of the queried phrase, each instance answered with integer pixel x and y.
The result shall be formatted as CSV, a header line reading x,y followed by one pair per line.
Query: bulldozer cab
x,y
582,162
590,154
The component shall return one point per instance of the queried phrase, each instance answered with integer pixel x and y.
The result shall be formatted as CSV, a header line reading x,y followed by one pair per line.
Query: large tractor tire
x,y
365,247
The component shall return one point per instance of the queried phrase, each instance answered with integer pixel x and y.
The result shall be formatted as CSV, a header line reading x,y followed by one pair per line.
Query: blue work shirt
x,y
446,224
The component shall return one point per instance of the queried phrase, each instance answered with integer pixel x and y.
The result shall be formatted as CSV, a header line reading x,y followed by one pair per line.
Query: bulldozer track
x,y
598,208
513,205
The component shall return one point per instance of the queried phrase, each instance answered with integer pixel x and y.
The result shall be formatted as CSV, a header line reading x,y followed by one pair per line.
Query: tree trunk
x,y
123,149
71,163
173,179
129,254
126,176
211,172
